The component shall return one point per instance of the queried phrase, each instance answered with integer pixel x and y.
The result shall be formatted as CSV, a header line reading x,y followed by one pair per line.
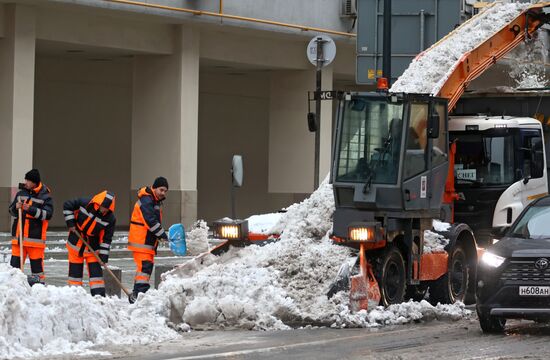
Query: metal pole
x,y
233,202
422,34
386,51
319,72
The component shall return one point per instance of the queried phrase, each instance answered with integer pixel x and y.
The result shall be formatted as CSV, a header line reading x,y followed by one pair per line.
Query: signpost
x,y
321,51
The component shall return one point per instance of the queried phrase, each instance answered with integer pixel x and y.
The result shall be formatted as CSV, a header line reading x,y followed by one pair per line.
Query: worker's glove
x,y
104,258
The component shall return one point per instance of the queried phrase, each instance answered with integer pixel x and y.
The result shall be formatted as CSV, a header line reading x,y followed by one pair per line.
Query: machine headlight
x,y
361,234
365,232
231,229
492,260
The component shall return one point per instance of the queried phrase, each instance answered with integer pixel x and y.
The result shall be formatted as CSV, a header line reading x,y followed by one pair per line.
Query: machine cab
x,y
390,154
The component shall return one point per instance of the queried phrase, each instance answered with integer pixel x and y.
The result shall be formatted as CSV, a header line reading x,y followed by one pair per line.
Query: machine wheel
x,y
416,292
491,324
391,277
452,286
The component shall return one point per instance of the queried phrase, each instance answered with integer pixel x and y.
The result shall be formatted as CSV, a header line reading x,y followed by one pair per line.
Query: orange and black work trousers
x,y
76,270
36,256
144,268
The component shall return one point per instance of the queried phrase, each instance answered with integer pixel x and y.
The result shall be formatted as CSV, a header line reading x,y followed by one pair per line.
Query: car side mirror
x,y
433,125
499,232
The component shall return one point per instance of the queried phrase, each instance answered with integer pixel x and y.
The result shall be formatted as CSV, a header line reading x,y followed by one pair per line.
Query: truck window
x,y
532,154
440,146
417,141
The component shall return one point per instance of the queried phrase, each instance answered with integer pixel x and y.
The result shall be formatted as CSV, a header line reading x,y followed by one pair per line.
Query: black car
x,y
513,276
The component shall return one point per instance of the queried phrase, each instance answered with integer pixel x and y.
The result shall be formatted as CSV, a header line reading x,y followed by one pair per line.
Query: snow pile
x,y
262,224
440,225
434,242
403,313
197,239
47,320
279,285
428,71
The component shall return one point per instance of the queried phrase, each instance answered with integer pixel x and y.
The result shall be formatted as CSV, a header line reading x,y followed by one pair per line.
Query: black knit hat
x,y
160,181
33,176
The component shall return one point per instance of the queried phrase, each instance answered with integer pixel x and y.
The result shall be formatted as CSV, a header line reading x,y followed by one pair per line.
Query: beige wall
x,y
106,31
234,119
17,53
82,129
165,124
291,145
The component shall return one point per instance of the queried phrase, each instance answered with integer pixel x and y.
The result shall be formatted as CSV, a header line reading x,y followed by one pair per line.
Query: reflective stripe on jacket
x,y
145,224
35,220
95,228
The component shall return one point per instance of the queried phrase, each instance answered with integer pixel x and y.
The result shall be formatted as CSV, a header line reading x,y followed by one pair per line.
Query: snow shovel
x,y
129,294
364,291
176,238
20,224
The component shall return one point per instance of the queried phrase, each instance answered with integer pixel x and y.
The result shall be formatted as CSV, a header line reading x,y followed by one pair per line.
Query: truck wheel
x,y
391,277
491,324
452,286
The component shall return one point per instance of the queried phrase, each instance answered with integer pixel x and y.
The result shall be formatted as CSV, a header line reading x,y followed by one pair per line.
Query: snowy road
x,y
444,340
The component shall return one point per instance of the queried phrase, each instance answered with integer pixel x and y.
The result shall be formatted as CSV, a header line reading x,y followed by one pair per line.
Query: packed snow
x,y
197,239
434,242
280,285
428,71
48,320
262,224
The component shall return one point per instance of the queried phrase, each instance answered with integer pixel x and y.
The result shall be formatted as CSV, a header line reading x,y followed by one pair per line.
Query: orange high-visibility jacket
x,y
145,225
97,229
35,220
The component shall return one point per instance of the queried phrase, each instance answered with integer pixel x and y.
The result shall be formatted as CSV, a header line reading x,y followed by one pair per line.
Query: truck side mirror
x,y
537,159
311,122
433,125
237,170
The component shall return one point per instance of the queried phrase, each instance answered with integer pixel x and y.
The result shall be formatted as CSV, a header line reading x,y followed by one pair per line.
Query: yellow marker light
x,y
230,231
361,234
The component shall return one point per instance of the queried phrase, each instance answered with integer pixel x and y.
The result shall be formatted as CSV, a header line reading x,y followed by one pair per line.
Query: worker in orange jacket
x,y
37,208
94,220
145,231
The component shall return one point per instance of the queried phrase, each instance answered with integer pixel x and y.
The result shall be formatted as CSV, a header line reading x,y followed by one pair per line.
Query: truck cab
x,y
389,171
500,167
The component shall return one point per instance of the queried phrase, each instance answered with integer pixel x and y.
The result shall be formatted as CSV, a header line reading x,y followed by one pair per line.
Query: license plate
x,y
534,290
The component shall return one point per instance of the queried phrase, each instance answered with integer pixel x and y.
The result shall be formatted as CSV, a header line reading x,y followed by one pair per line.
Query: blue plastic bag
x,y
176,237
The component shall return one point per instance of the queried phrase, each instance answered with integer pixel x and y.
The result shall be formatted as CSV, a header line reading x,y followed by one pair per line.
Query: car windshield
x,y
370,141
483,158
534,224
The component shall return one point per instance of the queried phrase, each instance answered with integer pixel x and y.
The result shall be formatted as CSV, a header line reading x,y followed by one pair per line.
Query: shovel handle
x,y
20,224
102,263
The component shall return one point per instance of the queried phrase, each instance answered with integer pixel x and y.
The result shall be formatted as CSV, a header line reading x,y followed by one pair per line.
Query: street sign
x,y
329,50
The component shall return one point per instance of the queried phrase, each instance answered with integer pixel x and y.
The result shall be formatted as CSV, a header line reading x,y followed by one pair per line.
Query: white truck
x,y
500,167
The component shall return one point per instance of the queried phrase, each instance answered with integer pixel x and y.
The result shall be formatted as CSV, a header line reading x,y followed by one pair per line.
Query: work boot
x,y
133,297
34,279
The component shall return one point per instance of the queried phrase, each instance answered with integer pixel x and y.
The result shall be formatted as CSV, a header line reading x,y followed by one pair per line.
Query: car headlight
x,y
492,260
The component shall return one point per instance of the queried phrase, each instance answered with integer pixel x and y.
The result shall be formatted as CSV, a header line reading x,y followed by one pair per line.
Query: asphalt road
x,y
433,340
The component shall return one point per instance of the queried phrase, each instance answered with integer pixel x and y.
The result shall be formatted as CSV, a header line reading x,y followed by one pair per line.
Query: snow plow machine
x,y
393,174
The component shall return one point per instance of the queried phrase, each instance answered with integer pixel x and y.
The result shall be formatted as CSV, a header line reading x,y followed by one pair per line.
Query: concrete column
x,y
165,125
291,145
17,57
